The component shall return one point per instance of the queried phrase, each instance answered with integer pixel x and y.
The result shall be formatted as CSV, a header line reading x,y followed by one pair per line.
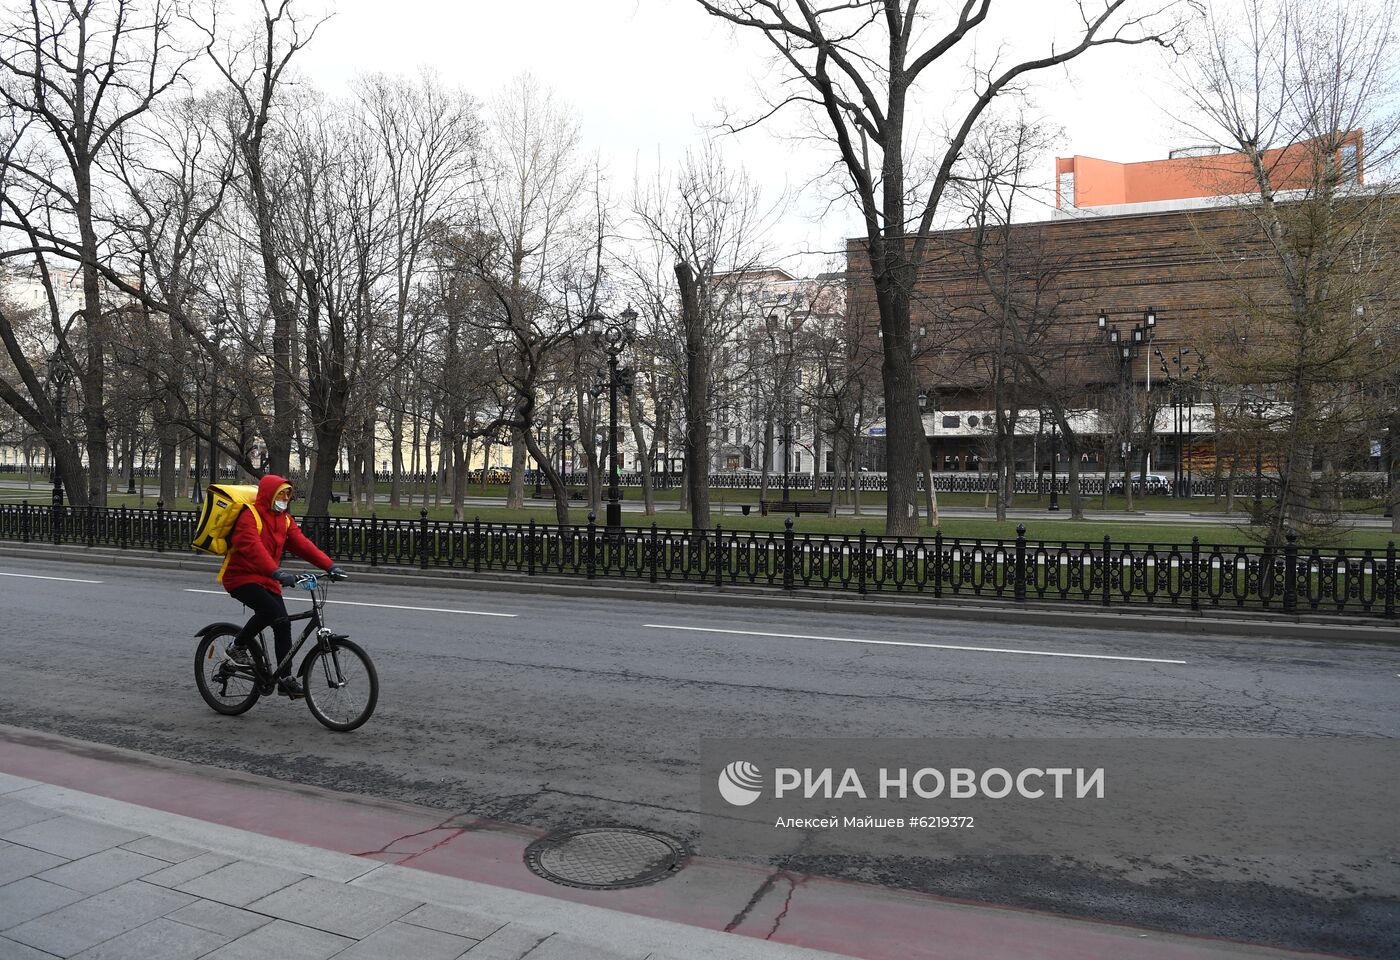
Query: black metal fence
x,y
1191,576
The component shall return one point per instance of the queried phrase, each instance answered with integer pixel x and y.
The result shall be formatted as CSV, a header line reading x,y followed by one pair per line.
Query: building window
x,y
952,423
1067,191
1351,168
972,421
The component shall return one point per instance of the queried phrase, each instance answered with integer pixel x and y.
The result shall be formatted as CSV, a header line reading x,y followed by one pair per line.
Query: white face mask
x,y
280,505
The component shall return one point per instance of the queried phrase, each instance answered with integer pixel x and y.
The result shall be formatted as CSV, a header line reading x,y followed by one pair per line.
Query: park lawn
x,y
1057,530
1051,528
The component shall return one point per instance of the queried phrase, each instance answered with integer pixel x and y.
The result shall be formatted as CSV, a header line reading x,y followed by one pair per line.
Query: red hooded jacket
x,y
254,557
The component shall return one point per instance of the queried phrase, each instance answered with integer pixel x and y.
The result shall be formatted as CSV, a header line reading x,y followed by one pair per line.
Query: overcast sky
x,y
646,77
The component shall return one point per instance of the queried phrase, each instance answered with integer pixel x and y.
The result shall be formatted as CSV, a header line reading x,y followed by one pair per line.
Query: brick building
x,y
1127,237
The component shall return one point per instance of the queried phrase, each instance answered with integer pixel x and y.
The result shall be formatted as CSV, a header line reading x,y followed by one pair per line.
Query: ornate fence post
x,y
474,545
1020,561
1107,568
160,526
1195,573
1290,572
24,520
56,524
718,560
1390,579
530,550
860,563
422,538
592,534
122,529
937,562
787,554
654,547
90,523
373,539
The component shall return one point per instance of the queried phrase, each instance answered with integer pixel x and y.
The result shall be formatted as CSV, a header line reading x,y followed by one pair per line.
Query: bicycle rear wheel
x,y
227,688
342,688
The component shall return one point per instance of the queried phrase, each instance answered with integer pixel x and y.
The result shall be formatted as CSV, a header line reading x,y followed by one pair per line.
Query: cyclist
x,y
252,576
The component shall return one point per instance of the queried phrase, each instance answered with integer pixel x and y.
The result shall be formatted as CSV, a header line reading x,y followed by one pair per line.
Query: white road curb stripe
x,y
35,576
909,643
386,606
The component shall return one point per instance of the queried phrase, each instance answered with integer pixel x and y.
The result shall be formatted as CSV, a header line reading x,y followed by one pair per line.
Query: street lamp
x,y
1181,398
1054,464
615,336
60,373
1125,348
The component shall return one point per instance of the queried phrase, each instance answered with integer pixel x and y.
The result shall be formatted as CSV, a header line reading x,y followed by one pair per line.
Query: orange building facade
x,y
1089,183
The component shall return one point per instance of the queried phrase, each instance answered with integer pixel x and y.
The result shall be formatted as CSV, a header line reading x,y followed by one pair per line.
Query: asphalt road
x,y
560,711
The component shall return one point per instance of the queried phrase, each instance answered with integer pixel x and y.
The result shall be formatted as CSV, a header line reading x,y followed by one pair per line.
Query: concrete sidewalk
x,y
87,876
162,860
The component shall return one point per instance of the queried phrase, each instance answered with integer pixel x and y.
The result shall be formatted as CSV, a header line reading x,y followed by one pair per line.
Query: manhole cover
x,y
605,858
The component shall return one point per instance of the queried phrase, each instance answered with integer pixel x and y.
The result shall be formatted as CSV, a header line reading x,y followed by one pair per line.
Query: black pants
x,y
267,608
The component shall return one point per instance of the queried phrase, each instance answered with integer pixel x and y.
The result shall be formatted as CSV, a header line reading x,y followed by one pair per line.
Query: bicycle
x,y
341,684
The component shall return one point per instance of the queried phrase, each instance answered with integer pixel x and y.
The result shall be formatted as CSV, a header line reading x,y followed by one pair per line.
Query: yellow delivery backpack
x,y
223,502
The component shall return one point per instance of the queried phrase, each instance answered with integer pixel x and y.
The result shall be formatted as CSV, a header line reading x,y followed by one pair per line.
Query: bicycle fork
x,y
330,661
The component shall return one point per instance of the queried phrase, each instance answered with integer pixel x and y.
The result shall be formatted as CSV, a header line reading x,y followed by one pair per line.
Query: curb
x,y
1252,624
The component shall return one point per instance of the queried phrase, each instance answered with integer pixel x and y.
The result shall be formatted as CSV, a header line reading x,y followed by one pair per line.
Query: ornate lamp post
x,y
1182,398
1125,348
615,336
1054,464
61,374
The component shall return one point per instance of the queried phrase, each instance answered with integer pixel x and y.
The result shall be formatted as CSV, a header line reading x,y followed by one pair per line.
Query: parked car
x,y
1156,484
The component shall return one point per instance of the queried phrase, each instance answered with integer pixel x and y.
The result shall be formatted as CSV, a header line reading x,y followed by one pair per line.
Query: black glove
x,y
286,577
336,573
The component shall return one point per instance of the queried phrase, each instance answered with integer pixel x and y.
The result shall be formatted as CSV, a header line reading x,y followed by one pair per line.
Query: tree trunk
x,y
634,414
697,419
515,494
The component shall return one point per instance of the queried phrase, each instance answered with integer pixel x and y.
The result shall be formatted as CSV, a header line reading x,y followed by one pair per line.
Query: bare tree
x,y
73,76
1306,95
710,219
859,65
429,138
255,71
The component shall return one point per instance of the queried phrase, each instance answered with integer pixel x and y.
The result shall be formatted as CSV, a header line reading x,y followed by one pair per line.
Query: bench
x,y
794,507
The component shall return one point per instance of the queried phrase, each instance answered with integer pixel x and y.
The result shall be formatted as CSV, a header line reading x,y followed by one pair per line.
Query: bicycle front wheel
x,y
342,687
225,686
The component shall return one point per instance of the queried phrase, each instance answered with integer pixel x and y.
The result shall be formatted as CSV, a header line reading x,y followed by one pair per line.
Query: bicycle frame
x,y
267,678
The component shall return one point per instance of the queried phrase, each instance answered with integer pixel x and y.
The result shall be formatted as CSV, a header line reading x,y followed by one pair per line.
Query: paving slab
x,y
10,783
16,813
283,941
9,950
405,940
240,883
219,918
17,862
70,837
461,923
88,922
162,849
102,871
348,911
511,942
29,898
157,940
187,870
560,947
